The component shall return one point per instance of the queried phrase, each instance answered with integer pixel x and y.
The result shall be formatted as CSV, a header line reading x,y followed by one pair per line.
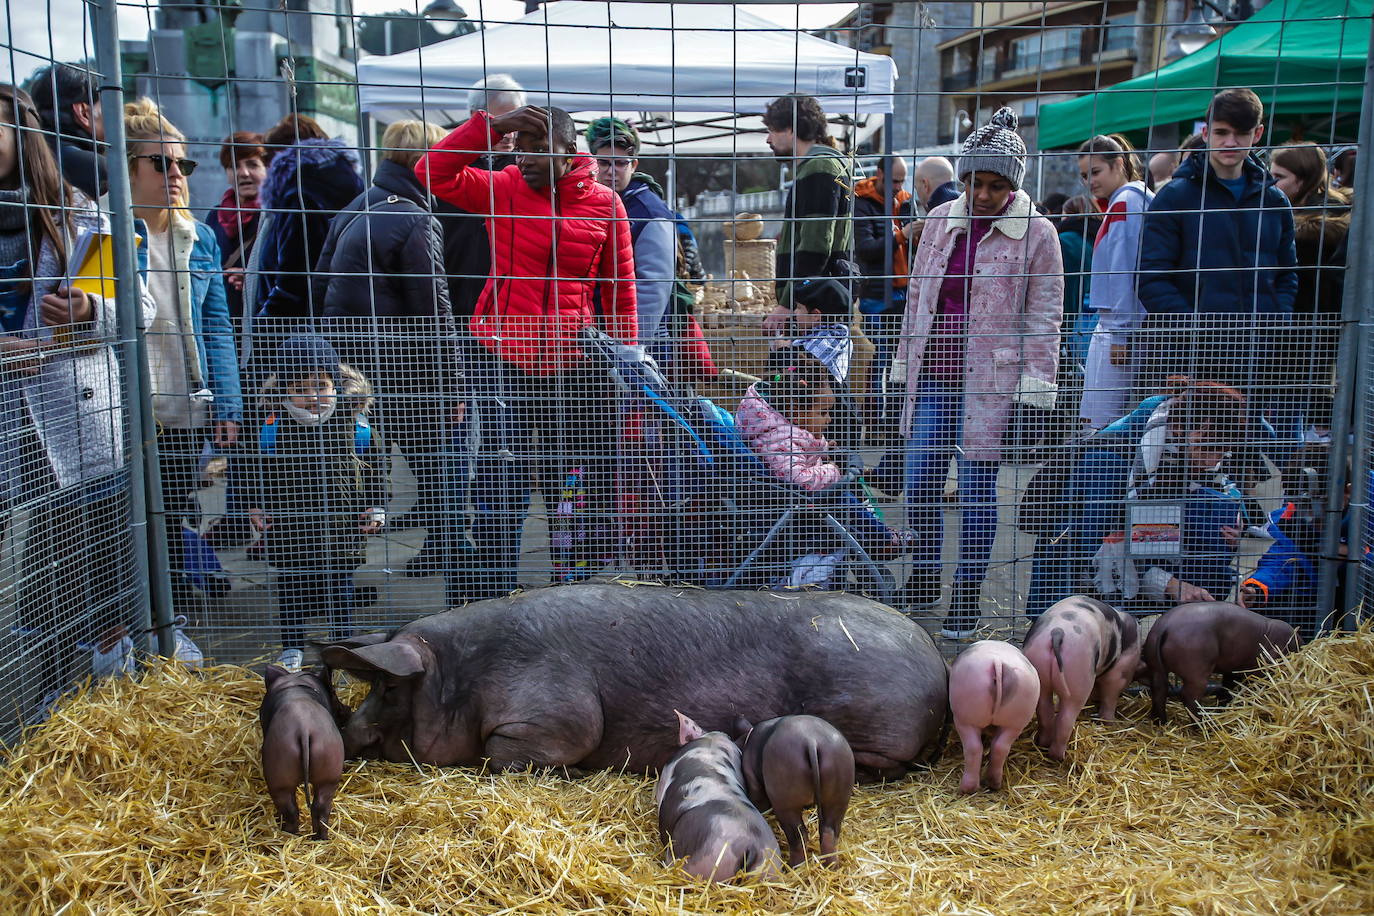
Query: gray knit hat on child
x,y
995,147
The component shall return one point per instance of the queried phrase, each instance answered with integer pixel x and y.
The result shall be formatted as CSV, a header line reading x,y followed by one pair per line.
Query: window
x,y
1119,34
987,66
1049,50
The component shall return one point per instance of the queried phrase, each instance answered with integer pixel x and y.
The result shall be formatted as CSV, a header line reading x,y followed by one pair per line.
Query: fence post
x,y
1352,367
147,520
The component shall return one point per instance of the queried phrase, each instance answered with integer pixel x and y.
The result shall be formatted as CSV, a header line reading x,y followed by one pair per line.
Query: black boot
x,y
921,591
964,611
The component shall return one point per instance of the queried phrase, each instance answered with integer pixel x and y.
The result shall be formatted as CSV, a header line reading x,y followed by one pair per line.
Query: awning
x,y
1304,58
692,65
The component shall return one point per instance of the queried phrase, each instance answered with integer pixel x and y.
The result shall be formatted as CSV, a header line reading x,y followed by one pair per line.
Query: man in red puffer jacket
x,y
555,236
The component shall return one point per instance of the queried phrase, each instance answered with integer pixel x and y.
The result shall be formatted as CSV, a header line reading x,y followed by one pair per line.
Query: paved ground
x,y
242,627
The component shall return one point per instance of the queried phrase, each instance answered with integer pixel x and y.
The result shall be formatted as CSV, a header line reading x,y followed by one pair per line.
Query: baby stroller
x,y
719,518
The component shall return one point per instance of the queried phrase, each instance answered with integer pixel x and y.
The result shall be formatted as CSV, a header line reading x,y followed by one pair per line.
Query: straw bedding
x,y
146,797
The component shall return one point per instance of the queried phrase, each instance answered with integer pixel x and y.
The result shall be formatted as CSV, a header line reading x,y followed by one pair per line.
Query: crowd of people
x,y
1152,329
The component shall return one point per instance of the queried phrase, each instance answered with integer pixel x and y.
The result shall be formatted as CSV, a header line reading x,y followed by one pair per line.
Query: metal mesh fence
x,y
432,345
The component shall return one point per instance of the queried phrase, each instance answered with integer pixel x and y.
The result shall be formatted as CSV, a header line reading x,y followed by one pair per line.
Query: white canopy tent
x,y
691,74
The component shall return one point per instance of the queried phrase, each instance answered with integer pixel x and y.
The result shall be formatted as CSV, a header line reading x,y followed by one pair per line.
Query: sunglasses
x,y
162,163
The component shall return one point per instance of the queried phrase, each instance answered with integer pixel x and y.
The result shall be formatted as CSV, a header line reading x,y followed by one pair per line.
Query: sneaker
x,y
184,649
118,662
291,659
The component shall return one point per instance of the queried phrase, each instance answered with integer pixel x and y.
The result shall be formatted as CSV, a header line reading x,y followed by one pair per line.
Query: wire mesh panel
x,y
964,307
74,602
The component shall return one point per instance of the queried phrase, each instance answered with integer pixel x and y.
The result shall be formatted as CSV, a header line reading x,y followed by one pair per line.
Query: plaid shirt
x,y
830,344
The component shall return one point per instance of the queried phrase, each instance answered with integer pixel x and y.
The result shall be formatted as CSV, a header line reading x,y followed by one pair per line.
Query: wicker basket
x,y
758,259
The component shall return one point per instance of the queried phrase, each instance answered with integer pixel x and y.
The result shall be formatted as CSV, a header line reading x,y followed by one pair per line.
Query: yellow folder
x,y
94,253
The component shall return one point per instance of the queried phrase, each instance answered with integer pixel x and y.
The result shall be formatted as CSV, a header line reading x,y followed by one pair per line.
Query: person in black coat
x,y
383,300
306,185
68,101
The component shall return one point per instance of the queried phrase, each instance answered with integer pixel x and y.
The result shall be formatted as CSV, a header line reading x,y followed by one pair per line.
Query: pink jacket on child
x,y
790,452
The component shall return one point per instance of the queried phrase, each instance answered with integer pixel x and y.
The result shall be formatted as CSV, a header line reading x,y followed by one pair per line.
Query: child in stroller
x,y
784,420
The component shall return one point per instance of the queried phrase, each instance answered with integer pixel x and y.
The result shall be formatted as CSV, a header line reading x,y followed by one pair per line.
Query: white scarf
x,y
305,417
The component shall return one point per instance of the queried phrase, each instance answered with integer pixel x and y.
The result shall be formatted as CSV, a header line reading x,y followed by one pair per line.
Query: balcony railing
x,y
959,79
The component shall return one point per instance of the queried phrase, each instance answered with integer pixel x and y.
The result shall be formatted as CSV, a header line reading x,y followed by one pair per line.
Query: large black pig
x,y
580,675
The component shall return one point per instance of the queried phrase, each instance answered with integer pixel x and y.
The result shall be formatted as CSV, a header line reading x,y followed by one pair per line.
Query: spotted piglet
x,y
704,815
993,692
1077,645
301,744
791,763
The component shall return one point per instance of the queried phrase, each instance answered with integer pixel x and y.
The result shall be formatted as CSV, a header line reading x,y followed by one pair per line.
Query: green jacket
x,y
816,224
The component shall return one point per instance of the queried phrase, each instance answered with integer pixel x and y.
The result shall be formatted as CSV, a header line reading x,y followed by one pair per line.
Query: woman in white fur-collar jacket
x,y
1015,304
980,334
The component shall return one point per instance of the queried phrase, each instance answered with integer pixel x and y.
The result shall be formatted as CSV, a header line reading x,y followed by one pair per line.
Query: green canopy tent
x,y
1305,59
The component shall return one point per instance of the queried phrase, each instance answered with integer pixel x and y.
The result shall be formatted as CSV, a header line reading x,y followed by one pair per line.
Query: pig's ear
x,y
392,659
272,673
353,642
742,726
687,730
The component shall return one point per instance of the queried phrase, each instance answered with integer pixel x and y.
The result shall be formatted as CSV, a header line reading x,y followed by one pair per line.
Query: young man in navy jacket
x,y
1217,266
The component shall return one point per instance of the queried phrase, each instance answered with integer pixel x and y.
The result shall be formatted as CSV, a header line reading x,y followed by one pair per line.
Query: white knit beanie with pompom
x,y
995,147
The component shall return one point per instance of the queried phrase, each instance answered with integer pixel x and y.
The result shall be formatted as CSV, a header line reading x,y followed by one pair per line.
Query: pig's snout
x,y
362,739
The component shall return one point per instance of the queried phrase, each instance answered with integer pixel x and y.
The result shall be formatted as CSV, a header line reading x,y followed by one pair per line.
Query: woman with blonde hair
x,y
190,345
386,309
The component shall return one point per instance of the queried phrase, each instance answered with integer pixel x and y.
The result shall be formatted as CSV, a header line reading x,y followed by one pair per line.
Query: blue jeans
x,y
1084,323
937,425
883,328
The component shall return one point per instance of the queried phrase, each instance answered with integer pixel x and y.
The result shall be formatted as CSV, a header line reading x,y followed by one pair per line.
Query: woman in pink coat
x,y
980,335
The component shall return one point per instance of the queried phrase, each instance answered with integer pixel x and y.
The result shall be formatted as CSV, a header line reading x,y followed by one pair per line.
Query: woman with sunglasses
x,y
61,422
190,345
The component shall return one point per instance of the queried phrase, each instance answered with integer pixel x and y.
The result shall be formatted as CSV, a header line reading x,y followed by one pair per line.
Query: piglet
x,y
1209,637
301,744
791,763
1078,645
993,691
704,815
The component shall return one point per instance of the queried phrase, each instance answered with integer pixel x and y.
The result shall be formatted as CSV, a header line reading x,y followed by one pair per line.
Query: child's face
x,y
1203,450
314,393
817,420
